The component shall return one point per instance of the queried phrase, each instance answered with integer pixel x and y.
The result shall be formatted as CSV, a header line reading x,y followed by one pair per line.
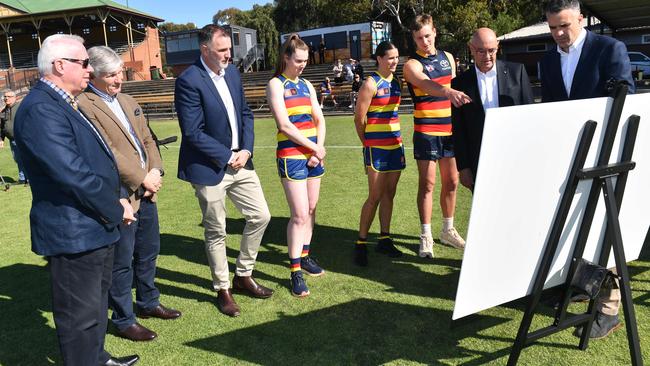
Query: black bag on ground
x,y
589,278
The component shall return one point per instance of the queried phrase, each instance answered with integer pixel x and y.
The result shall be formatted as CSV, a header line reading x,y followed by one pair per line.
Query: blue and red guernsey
x,y
432,115
298,103
382,126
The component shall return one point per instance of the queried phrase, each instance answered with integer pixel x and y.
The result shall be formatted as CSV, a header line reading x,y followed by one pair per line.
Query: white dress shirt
x,y
569,60
488,87
220,83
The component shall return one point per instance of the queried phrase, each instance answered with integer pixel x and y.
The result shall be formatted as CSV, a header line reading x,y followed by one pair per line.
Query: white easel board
x,y
526,155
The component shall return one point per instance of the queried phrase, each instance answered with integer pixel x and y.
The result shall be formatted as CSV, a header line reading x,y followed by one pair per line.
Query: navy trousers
x,y
80,284
135,264
19,161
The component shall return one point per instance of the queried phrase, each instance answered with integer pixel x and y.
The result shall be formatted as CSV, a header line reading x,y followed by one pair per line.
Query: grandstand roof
x,y
34,7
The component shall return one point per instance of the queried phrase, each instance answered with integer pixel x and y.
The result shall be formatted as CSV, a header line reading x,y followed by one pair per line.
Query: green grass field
x,y
393,312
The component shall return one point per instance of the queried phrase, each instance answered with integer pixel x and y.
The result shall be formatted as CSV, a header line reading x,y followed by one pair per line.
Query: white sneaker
x,y
451,237
321,106
426,246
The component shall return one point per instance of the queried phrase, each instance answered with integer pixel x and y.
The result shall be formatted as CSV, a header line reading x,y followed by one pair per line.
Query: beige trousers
x,y
244,190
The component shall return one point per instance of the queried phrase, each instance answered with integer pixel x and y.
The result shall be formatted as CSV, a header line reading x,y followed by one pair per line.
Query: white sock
x,y
426,229
447,223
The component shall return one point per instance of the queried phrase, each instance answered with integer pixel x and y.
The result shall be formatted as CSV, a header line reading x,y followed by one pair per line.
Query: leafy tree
x,y
231,16
258,18
296,15
335,12
173,27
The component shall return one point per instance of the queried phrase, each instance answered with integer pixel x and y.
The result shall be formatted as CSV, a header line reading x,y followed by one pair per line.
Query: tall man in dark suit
x,y
121,122
77,202
581,67
490,84
215,156
583,62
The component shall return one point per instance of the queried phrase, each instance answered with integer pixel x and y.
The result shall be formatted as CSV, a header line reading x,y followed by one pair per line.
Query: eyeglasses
x,y
9,96
483,52
83,63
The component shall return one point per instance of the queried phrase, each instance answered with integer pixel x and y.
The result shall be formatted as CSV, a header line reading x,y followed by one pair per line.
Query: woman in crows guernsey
x,y
300,153
378,127
428,74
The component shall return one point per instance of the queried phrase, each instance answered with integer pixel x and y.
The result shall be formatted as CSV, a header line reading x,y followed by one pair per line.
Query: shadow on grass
x,y
9,180
362,332
26,338
333,247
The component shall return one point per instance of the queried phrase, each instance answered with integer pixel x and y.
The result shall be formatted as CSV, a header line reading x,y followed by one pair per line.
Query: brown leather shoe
x,y
251,287
137,333
160,312
226,303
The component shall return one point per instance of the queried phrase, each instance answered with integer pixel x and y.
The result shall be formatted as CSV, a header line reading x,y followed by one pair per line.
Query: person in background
x,y
337,70
358,69
347,70
429,73
312,54
321,52
7,117
378,128
354,93
300,155
326,91
121,122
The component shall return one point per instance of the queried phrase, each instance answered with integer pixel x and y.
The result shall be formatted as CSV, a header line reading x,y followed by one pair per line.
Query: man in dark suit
x,y
215,156
77,202
581,67
121,122
583,62
490,84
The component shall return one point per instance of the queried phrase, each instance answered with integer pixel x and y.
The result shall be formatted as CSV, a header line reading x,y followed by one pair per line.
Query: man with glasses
x,y
77,200
7,120
490,84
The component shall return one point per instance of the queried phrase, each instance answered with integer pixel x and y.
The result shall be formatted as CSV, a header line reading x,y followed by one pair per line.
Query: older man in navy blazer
x,y
582,66
77,201
215,156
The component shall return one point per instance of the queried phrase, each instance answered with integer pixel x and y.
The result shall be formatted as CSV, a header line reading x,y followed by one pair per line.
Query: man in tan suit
x,y
121,121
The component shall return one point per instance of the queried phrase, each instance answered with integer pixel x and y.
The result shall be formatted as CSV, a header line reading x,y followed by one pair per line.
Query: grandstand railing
x,y
255,54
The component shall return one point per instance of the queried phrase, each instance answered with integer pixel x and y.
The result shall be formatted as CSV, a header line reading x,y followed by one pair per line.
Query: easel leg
x,y
624,275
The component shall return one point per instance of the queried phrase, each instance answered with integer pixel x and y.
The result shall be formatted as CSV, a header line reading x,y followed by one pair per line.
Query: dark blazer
x,y
467,121
602,59
120,142
73,177
205,145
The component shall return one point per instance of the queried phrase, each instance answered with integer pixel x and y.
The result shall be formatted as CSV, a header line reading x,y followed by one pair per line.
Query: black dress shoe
x,y
160,312
250,286
122,361
137,333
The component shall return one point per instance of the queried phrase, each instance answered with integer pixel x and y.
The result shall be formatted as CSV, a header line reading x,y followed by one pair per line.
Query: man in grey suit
x,y
490,84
